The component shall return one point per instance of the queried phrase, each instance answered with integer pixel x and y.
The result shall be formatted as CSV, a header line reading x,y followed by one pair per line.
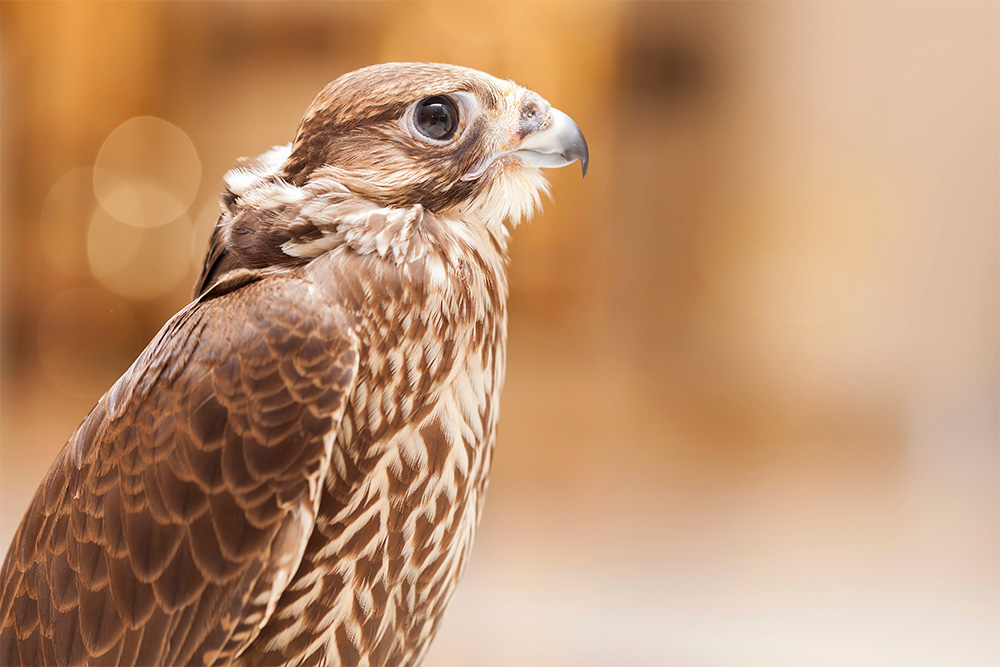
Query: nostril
x,y
534,113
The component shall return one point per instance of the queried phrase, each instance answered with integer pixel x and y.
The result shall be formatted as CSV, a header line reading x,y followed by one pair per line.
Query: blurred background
x,y
751,415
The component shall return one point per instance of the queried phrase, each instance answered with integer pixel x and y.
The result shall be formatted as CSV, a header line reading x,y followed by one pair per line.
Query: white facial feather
x,y
514,195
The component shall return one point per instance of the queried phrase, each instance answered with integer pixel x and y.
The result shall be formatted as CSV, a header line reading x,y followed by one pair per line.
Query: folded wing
x,y
177,513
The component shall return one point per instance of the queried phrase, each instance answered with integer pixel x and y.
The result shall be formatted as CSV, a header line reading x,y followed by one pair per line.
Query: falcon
x,y
293,470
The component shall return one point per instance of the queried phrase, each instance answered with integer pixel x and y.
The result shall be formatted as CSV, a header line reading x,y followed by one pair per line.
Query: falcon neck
x,y
268,222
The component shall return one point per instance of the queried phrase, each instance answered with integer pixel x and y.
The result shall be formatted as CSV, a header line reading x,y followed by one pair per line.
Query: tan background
x,y
751,415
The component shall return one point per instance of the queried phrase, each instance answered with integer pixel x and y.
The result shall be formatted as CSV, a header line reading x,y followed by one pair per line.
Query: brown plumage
x,y
293,470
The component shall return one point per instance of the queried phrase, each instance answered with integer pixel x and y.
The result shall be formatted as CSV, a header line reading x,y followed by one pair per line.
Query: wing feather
x,y
176,514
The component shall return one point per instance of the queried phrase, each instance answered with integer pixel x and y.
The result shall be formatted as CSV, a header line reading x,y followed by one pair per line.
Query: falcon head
x,y
382,147
447,138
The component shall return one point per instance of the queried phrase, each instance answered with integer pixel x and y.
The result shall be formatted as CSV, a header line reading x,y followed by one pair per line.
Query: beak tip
x,y
580,151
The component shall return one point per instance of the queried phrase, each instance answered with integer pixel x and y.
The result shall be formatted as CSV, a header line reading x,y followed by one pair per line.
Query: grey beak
x,y
557,144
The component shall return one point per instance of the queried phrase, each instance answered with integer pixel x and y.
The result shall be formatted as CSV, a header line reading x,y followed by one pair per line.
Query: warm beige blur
x,y
751,414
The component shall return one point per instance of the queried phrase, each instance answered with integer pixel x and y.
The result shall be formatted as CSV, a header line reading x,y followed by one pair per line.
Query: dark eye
x,y
437,117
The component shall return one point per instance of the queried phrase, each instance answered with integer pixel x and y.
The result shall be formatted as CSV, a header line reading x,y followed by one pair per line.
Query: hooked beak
x,y
559,143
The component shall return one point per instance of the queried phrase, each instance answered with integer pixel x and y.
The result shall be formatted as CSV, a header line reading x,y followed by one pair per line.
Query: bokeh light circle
x,y
139,263
64,219
147,172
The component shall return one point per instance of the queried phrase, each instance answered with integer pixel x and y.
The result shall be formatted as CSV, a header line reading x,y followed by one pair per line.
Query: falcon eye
x,y
437,117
